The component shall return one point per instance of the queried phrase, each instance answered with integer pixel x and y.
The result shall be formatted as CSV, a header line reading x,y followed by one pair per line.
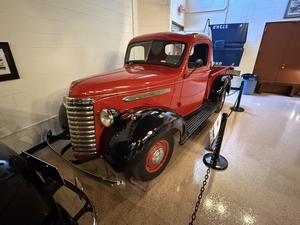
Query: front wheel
x,y
219,108
159,153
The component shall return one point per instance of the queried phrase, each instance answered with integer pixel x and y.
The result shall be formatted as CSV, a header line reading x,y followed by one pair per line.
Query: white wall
x,y
151,16
176,16
53,43
254,12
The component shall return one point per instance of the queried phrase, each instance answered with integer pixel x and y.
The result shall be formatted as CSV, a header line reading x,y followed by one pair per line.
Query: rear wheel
x,y
223,96
159,153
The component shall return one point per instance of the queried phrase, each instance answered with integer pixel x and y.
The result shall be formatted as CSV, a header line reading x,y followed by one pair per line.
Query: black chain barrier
x,y
214,160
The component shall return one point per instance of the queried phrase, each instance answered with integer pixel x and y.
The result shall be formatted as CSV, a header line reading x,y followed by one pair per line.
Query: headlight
x,y
107,116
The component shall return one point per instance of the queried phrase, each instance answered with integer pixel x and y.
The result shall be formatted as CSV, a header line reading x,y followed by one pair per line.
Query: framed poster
x,y
292,9
8,69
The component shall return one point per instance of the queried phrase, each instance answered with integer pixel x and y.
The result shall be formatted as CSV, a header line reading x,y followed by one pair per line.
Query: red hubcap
x,y
157,156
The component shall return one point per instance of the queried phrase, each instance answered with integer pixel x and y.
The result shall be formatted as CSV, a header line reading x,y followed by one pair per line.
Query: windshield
x,y
156,52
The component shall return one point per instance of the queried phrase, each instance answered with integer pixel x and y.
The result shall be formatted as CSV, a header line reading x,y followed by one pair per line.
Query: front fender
x,y
134,130
62,116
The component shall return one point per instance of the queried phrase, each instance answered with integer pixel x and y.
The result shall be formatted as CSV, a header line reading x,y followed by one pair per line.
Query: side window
x,y
199,51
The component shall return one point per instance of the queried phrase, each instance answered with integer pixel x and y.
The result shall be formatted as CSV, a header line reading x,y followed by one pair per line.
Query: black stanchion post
x,y
209,146
237,108
218,161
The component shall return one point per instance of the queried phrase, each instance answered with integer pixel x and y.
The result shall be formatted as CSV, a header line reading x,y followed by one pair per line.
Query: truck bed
x,y
219,70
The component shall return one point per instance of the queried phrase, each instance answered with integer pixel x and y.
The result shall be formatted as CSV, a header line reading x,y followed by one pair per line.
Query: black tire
x,y
147,170
222,100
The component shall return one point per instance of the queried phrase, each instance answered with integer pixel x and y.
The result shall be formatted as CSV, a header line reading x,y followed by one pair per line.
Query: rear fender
x,y
219,85
133,131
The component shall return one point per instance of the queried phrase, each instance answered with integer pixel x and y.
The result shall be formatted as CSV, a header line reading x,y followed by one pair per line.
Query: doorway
x,y
278,56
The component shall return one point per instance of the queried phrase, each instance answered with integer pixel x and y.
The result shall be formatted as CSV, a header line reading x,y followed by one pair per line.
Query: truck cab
x,y
128,116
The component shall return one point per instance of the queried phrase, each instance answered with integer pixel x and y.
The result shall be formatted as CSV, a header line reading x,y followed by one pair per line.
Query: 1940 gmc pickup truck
x,y
129,116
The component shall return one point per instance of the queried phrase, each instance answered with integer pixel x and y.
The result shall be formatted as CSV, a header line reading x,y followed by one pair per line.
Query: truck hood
x,y
122,80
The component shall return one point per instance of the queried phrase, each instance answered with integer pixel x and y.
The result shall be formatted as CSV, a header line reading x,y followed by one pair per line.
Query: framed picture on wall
x,y
8,69
292,9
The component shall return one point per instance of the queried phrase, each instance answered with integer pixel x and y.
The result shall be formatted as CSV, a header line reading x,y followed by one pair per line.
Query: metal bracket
x,y
113,183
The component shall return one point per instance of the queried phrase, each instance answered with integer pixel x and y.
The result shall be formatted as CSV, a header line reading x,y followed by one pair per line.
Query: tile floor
x,y
260,186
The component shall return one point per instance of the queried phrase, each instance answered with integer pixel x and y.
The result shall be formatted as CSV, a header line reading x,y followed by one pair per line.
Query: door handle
x,y
282,67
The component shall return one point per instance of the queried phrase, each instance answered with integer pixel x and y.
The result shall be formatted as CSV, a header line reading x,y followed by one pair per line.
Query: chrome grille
x,y
81,125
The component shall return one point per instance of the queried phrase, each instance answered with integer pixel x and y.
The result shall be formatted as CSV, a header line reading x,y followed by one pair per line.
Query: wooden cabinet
x,y
278,59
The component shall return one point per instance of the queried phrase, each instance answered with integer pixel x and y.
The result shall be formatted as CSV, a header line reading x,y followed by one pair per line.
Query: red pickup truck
x,y
129,116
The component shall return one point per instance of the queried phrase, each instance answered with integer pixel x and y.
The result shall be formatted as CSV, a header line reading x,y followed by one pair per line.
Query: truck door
x,y
194,85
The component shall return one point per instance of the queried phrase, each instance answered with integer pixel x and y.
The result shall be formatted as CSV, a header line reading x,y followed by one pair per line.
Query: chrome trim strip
x,y
83,136
81,118
80,145
85,151
87,132
72,108
85,122
146,95
79,101
83,140
81,128
82,113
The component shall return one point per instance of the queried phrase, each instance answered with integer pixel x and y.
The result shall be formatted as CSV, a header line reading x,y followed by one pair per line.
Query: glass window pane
x,y
137,53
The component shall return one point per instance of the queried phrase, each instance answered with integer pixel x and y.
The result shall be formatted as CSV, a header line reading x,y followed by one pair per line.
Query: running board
x,y
196,120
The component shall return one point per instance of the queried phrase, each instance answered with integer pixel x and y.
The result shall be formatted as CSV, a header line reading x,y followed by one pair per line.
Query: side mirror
x,y
198,63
